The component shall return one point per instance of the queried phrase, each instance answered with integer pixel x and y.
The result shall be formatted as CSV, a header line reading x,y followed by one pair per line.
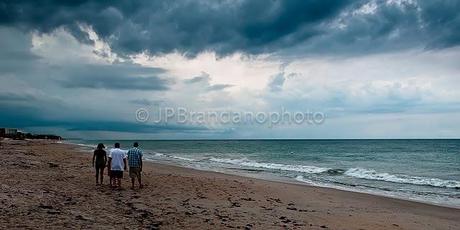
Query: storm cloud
x,y
252,27
204,80
117,76
89,65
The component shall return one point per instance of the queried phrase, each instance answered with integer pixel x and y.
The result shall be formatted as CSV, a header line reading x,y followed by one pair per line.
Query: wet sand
x,y
51,185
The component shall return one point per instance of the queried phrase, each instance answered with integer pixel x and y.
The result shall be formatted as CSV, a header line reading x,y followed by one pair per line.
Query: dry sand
x,y
51,185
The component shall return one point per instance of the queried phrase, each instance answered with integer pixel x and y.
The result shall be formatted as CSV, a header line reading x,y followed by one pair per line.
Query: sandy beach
x,y
52,185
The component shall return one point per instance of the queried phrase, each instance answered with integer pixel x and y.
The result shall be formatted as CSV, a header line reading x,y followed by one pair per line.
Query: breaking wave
x,y
369,174
273,166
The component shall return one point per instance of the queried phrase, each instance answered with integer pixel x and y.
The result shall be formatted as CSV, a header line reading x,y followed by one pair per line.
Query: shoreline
x,y
280,179
52,184
296,183
291,181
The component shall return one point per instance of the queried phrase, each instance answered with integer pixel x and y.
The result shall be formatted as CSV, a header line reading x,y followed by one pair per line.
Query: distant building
x,y
11,132
7,132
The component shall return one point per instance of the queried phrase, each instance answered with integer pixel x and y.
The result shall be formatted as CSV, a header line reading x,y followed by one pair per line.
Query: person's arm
x,y
109,165
94,156
140,160
105,158
124,160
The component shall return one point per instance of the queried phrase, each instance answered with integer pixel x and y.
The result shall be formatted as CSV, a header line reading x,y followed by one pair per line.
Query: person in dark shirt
x,y
99,162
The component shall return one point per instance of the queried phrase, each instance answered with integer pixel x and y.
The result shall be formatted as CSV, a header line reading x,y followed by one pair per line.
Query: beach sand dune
x,y
52,185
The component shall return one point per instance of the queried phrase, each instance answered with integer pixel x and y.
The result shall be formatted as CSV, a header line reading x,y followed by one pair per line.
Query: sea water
x,y
420,170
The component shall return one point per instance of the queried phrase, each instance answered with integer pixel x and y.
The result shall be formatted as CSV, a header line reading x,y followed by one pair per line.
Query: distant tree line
x,y
18,135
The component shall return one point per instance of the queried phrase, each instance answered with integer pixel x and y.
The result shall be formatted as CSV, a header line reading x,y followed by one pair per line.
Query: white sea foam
x,y
304,180
276,166
402,179
158,154
181,158
85,145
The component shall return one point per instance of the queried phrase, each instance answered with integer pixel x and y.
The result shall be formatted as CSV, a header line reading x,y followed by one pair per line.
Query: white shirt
x,y
117,155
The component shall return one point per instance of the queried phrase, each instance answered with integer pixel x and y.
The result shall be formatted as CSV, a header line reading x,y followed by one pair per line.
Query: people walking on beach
x,y
99,162
117,162
135,164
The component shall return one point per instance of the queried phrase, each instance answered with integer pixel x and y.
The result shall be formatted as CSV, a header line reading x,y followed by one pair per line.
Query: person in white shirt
x,y
117,164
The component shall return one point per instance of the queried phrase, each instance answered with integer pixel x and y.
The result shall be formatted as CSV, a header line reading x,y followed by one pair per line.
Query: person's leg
x,y
117,179
140,181
97,175
132,176
102,175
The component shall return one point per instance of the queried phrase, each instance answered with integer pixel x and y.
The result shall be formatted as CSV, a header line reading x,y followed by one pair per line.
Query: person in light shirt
x,y
117,162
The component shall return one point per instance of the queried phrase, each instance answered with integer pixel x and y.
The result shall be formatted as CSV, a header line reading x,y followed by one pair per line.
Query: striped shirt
x,y
134,157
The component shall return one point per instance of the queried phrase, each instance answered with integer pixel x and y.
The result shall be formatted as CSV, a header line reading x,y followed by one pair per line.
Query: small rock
x,y
53,212
286,221
82,217
45,206
235,204
156,224
52,165
188,213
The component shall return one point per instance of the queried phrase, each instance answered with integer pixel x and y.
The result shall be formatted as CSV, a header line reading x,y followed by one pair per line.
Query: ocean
x,y
421,170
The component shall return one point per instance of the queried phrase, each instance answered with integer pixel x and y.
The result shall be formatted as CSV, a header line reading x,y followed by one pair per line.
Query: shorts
x,y
116,174
134,172
100,166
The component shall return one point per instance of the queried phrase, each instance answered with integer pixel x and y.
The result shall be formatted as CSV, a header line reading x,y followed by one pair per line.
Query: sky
x,y
114,69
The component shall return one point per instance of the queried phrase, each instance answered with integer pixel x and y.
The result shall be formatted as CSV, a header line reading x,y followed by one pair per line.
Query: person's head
x,y
117,145
100,146
136,144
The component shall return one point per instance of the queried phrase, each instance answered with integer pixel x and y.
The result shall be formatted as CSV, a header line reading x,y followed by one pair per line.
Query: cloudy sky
x,y
375,69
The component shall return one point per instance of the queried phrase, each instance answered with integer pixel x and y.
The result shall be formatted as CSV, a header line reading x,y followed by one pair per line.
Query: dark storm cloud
x,y
15,97
187,26
393,25
25,111
255,26
204,80
26,118
442,18
145,102
130,127
116,76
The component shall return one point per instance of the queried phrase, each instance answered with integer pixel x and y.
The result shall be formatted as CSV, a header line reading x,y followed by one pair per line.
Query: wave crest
x,y
369,174
274,166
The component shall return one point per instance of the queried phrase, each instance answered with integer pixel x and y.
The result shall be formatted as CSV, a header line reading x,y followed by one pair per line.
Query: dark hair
x,y
117,145
100,146
136,144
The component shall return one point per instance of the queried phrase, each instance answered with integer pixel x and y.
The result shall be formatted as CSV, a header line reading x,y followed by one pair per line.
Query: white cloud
x,y
237,69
